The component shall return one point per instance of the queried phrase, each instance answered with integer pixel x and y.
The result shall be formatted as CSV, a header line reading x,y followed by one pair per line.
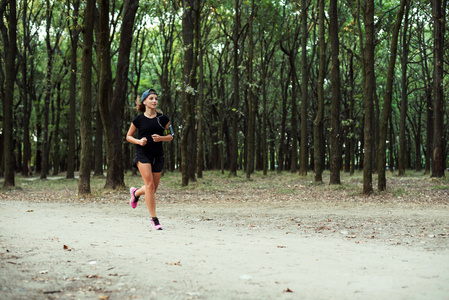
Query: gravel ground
x,y
238,243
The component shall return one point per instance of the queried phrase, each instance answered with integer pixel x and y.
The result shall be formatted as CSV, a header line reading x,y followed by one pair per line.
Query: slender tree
x,y
9,35
26,161
86,99
404,101
438,96
112,111
427,81
115,175
252,108
187,92
303,164
200,49
236,91
386,113
98,164
282,140
48,87
74,37
335,149
168,32
103,53
368,94
319,119
193,90
352,126
290,45
57,123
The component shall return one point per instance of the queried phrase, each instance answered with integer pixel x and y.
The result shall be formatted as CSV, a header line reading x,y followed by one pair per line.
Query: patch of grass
x,y
399,192
287,191
413,185
55,183
339,187
440,187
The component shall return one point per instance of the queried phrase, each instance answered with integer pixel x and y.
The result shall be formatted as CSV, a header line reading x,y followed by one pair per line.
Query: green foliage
x,y
158,48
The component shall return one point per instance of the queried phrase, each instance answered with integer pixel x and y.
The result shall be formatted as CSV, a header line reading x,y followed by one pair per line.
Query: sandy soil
x,y
227,249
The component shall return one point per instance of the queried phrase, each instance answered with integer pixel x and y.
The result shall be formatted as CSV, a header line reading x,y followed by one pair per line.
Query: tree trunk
x,y
86,100
293,161
10,43
420,33
352,125
74,37
264,119
368,93
438,101
48,91
386,113
335,151
303,164
429,131
236,93
98,145
56,145
167,31
26,160
264,116
404,100
187,96
252,108
199,46
418,141
391,164
103,53
115,175
283,120
319,119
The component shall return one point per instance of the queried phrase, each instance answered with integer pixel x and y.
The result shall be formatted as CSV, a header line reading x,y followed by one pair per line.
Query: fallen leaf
x,y
288,291
175,263
38,279
282,246
52,292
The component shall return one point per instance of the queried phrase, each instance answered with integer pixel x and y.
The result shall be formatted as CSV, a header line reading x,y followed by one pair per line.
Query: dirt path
x,y
222,251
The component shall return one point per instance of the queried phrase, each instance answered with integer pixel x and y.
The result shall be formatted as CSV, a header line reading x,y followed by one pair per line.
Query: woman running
x,y
151,126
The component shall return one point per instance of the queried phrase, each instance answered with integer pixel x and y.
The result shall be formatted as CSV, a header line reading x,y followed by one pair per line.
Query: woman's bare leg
x,y
156,179
151,181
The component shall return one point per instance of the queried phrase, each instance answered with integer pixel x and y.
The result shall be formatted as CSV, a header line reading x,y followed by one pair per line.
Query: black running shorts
x,y
157,164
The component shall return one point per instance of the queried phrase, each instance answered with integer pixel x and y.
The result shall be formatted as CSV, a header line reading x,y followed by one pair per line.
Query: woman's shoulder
x,y
164,119
161,115
137,118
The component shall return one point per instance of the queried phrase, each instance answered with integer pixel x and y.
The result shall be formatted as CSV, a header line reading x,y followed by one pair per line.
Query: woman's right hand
x,y
143,141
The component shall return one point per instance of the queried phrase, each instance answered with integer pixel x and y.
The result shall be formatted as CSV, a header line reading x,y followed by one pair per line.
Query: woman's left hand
x,y
156,138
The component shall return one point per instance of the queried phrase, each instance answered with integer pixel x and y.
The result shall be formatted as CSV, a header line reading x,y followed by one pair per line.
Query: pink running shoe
x,y
134,199
156,224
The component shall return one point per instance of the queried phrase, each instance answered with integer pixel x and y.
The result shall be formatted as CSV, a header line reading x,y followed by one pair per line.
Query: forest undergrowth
x,y
416,188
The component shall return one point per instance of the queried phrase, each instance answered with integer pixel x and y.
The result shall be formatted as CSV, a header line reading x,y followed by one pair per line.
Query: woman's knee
x,y
150,187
